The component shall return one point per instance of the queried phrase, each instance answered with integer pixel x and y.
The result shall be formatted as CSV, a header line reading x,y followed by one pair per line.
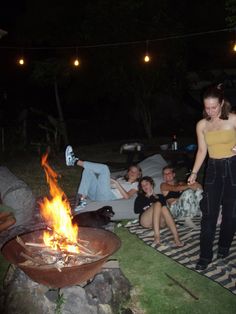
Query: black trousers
x,y
219,189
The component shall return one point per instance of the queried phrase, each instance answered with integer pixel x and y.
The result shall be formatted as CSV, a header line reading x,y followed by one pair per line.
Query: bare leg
x,y
171,225
151,219
156,221
80,163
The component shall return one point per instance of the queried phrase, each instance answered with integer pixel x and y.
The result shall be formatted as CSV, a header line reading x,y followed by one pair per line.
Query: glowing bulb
x,y
21,61
234,48
76,63
146,58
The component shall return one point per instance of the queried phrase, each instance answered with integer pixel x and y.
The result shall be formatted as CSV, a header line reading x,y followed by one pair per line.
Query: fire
x,y
57,212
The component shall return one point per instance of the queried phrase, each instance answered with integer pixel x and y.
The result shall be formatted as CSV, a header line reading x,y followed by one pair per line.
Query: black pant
x,y
219,189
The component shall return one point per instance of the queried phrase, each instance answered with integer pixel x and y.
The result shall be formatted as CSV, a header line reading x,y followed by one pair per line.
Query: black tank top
x,y
173,194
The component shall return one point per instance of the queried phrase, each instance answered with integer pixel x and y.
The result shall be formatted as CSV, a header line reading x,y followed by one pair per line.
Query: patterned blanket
x,y
223,271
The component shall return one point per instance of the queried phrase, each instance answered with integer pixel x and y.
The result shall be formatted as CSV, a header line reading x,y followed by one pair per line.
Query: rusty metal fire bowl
x,y
99,240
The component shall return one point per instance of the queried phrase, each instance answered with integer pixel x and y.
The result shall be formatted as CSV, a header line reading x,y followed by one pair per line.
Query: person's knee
x,y
106,168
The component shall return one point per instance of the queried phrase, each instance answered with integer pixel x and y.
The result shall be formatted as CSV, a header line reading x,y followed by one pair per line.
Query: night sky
x,y
103,99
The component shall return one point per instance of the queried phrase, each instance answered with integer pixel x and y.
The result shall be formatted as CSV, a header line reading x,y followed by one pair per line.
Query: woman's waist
x,y
222,158
221,151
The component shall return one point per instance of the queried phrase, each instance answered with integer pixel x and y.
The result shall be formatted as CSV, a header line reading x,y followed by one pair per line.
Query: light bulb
x,y
146,58
76,63
21,61
234,48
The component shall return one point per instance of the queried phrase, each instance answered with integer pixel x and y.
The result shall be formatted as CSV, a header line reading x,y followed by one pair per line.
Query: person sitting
x,y
97,184
153,211
182,199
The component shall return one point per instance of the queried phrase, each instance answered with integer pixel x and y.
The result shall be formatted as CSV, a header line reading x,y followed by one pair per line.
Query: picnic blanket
x,y
222,271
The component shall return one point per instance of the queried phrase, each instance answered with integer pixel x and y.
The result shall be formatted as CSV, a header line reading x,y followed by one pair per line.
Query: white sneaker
x,y
81,206
70,156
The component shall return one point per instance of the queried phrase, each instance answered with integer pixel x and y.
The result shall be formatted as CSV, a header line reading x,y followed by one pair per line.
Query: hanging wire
x,y
123,43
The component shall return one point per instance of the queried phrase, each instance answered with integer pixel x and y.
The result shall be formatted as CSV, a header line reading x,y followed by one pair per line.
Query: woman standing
x,y
153,211
216,134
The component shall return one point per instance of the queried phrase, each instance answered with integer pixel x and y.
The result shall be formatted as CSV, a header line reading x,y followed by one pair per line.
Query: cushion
x,y
124,209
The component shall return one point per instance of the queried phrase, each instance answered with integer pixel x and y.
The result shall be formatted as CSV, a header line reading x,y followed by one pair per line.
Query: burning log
x,y
42,256
40,245
82,248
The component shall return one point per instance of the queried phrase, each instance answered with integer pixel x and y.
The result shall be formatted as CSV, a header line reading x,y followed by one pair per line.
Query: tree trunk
x,y
63,128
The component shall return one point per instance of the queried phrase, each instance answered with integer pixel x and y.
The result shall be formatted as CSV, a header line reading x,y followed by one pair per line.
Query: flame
x,y
57,212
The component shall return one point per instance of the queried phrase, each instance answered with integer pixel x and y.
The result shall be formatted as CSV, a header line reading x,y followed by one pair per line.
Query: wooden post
x,y
3,140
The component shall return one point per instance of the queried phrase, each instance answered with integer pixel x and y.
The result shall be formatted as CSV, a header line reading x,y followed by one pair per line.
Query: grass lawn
x,y
146,269
154,292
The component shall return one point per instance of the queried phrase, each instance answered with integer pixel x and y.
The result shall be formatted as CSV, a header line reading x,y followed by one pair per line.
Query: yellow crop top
x,y
220,143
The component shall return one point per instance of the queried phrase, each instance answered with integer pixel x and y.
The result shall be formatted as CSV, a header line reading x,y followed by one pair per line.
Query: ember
x,y
21,250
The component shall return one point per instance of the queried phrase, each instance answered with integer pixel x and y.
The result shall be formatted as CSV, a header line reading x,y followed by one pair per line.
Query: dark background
x,y
113,94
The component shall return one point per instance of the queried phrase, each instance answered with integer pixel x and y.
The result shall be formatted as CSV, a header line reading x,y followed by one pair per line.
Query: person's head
x,y
134,173
146,185
168,174
215,104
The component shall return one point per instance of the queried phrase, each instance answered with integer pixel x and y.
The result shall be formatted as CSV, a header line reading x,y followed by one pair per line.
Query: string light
x,y
234,47
76,61
21,61
146,58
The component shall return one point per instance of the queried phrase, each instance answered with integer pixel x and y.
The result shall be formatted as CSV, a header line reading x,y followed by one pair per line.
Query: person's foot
x,y
222,253
157,240
202,264
81,205
71,160
179,243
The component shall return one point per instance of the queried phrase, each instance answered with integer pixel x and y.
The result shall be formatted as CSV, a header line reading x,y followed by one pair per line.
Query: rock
x,y
75,301
104,294
16,194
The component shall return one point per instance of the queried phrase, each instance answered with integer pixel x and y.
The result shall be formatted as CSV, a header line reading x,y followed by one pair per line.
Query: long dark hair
x,y
145,178
216,91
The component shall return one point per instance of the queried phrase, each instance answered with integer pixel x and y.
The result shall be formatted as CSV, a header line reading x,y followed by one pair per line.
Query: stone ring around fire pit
x,y
98,240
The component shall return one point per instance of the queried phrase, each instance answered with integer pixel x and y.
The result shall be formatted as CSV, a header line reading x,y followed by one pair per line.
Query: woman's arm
x,y
201,152
140,204
126,195
232,117
165,187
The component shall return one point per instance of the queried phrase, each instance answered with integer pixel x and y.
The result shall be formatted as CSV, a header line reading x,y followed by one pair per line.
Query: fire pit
x,y
98,240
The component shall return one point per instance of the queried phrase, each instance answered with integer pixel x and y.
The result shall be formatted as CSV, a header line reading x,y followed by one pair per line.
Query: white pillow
x,y
153,165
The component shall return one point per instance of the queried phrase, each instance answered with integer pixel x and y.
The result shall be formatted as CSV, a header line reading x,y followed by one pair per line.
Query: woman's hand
x,y
113,183
192,178
234,149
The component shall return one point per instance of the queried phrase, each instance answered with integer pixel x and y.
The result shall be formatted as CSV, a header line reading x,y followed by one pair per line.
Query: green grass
x,y
146,268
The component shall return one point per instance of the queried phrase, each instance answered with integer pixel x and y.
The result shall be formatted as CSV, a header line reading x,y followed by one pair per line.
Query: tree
x,y
230,6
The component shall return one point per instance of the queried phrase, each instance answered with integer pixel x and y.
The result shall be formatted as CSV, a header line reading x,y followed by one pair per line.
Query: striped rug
x,y
223,271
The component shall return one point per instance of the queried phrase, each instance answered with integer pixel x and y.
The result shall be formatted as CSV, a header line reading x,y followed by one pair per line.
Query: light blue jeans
x,y
95,182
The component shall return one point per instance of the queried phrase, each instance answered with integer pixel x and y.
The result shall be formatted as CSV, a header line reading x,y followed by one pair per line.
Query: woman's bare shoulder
x,y
232,117
201,124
